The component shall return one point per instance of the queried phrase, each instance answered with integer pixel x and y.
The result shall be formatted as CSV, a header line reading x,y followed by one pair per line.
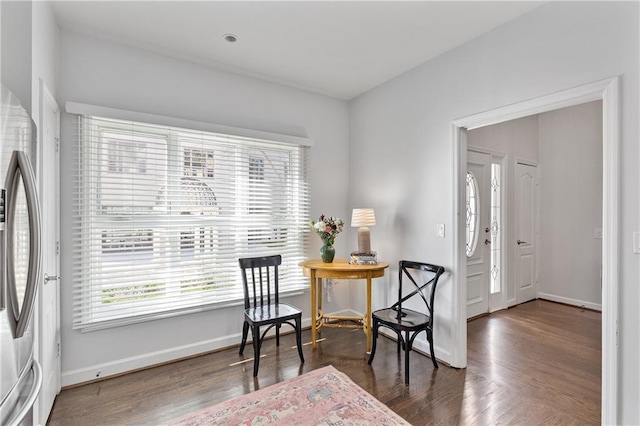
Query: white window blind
x,y
163,214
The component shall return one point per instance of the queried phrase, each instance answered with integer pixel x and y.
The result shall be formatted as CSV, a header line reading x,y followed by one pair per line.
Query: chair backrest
x,y
429,275
260,280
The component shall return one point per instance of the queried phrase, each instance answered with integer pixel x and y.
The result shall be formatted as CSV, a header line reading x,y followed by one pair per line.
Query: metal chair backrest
x,y
260,280
434,271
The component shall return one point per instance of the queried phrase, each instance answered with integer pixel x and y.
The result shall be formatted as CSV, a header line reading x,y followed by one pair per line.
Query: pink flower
x,y
327,227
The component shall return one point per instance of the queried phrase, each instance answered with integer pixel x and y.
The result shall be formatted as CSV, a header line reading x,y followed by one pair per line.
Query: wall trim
x,y
147,360
606,90
121,114
570,301
151,359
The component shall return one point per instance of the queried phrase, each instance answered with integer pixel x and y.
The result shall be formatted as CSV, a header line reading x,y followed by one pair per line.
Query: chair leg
x,y
255,331
278,335
245,331
407,349
433,354
374,337
299,337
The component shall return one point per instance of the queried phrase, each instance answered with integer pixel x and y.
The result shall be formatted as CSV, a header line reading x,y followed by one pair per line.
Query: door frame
x,y
46,99
607,91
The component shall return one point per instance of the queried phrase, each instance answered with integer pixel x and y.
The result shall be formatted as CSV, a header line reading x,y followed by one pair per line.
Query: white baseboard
x,y
569,301
124,365
149,359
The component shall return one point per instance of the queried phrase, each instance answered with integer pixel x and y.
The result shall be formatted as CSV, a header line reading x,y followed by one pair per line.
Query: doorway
x,y
553,207
608,92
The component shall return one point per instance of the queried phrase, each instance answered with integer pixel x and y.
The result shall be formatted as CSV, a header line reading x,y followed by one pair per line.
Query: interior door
x,y
526,205
478,232
49,317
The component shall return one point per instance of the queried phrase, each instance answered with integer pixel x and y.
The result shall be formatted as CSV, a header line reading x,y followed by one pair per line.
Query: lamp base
x,y
364,240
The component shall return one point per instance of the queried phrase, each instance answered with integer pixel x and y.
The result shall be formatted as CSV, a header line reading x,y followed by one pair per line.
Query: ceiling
x,y
336,48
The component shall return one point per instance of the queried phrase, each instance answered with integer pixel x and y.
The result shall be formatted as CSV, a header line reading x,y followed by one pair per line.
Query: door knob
x,y
487,241
521,242
48,278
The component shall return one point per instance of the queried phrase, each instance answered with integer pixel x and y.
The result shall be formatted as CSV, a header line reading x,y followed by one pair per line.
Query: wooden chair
x,y
262,306
403,320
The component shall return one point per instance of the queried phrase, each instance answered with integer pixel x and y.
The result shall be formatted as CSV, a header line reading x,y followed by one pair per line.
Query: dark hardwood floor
x,y
538,363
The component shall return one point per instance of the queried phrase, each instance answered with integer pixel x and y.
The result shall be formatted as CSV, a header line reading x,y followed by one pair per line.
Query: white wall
x,y
16,49
402,132
517,140
108,74
571,205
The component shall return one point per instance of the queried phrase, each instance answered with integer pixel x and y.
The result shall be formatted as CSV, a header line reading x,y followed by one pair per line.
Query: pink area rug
x,y
320,397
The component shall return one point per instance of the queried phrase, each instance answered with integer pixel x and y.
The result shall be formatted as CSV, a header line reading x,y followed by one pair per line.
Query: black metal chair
x,y
407,321
262,304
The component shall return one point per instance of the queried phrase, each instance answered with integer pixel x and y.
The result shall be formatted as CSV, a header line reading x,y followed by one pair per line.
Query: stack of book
x,y
358,258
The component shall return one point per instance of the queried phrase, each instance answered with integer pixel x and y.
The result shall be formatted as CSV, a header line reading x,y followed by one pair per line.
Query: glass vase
x,y
327,252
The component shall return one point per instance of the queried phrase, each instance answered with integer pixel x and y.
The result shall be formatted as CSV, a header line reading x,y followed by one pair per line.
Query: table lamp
x,y
363,218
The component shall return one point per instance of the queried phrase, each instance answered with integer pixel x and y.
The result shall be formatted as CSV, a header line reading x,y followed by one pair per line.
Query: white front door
x,y
49,296
478,232
526,214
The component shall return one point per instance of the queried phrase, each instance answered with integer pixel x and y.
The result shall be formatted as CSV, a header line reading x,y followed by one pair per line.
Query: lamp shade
x,y
363,217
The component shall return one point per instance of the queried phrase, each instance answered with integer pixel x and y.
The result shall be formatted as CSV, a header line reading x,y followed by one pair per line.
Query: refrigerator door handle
x,y
20,164
33,395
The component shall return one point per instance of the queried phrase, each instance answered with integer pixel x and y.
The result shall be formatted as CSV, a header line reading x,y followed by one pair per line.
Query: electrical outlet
x,y
440,230
636,242
597,233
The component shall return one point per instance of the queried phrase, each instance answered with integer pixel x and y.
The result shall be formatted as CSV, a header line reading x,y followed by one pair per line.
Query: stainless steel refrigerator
x,y
20,374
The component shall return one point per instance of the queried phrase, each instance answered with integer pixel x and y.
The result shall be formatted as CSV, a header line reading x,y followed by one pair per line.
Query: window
x,y
198,163
126,156
496,201
164,213
472,214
